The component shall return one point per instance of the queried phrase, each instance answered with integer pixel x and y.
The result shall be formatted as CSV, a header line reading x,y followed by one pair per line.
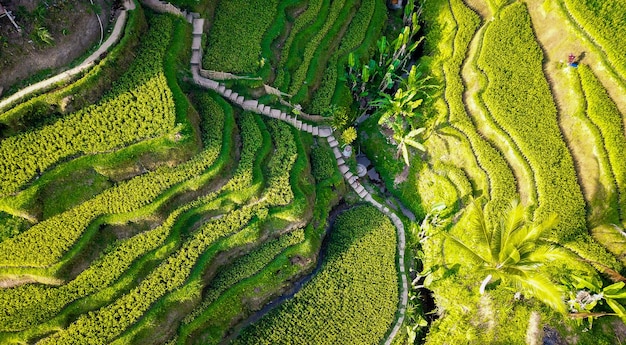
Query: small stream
x,y
299,284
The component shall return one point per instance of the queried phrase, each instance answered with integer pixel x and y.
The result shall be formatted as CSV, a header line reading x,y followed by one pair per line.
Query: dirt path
x,y
557,41
560,40
485,125
23,58
118,30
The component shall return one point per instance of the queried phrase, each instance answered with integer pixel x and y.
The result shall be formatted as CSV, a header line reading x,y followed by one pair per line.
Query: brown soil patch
x,y
71,23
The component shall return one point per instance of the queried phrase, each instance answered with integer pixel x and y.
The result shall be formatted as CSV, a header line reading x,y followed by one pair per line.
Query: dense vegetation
x,y
139,208
351,299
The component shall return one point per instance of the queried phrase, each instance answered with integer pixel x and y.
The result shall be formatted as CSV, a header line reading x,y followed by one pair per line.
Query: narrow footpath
x,y
318,131
89,62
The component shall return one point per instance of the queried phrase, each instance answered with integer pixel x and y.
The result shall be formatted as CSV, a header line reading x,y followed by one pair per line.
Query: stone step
x,y
275,113
363,193
233,96
221,89
282,116
332,142
250,105
228,92
315,131
325,131
359,188
337,153
198,26
343,169
341,161
299,125
240,100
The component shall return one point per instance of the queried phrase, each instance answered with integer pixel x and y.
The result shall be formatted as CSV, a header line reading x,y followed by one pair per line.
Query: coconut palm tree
x,y
513,251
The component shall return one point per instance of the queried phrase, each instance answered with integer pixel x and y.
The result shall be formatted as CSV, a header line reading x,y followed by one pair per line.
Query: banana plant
x,y
409,140
590,293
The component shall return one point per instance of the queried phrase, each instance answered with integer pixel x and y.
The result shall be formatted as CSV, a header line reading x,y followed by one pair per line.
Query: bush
x,y
323,163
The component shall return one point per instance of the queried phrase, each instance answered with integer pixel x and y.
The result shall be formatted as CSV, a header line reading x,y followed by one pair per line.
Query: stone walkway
x,y
319,131
246,104
90,61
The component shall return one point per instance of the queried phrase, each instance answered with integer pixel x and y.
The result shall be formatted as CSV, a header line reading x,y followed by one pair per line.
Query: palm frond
x,y
540,287
415,144
459,244
539,230
478,224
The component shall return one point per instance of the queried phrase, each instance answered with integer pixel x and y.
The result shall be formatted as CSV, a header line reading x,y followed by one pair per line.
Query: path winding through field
x,y
319,131
558,41
89,62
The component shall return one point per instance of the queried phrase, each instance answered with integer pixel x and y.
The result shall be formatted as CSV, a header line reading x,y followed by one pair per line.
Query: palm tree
x,y
514,252
408,140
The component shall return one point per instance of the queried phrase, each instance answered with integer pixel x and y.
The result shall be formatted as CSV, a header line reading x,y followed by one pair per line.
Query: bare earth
x,y
21,57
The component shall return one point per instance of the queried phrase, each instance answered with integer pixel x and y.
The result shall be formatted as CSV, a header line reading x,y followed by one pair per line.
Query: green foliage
x,y
10,226
512,251
602,21
323,163
234,42
348,135
42,35
139,107
603,112
591,293
353,297
512,59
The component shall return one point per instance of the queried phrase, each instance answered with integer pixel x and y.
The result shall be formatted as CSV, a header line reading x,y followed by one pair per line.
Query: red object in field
x,y
571,58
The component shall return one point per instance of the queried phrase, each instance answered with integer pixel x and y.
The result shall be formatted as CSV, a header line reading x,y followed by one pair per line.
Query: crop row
x,y
211,325
352,298
303,28
46,242
221,313
501,181
603,20
353,38
139,107
103,325
110,321
244,267
603,112
518,97
256,143
248,182
238,51
338,10
31,304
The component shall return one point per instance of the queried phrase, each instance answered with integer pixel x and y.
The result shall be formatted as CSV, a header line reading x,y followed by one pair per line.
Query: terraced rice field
x,y
159,212
139,206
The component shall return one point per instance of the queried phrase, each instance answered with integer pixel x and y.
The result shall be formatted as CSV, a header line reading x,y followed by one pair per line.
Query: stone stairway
x,y
318,131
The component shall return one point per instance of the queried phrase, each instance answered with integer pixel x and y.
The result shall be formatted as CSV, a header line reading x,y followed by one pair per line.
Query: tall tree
x,y
513,251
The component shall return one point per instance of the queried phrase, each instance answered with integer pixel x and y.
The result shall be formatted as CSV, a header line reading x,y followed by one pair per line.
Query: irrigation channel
x,y
299,284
